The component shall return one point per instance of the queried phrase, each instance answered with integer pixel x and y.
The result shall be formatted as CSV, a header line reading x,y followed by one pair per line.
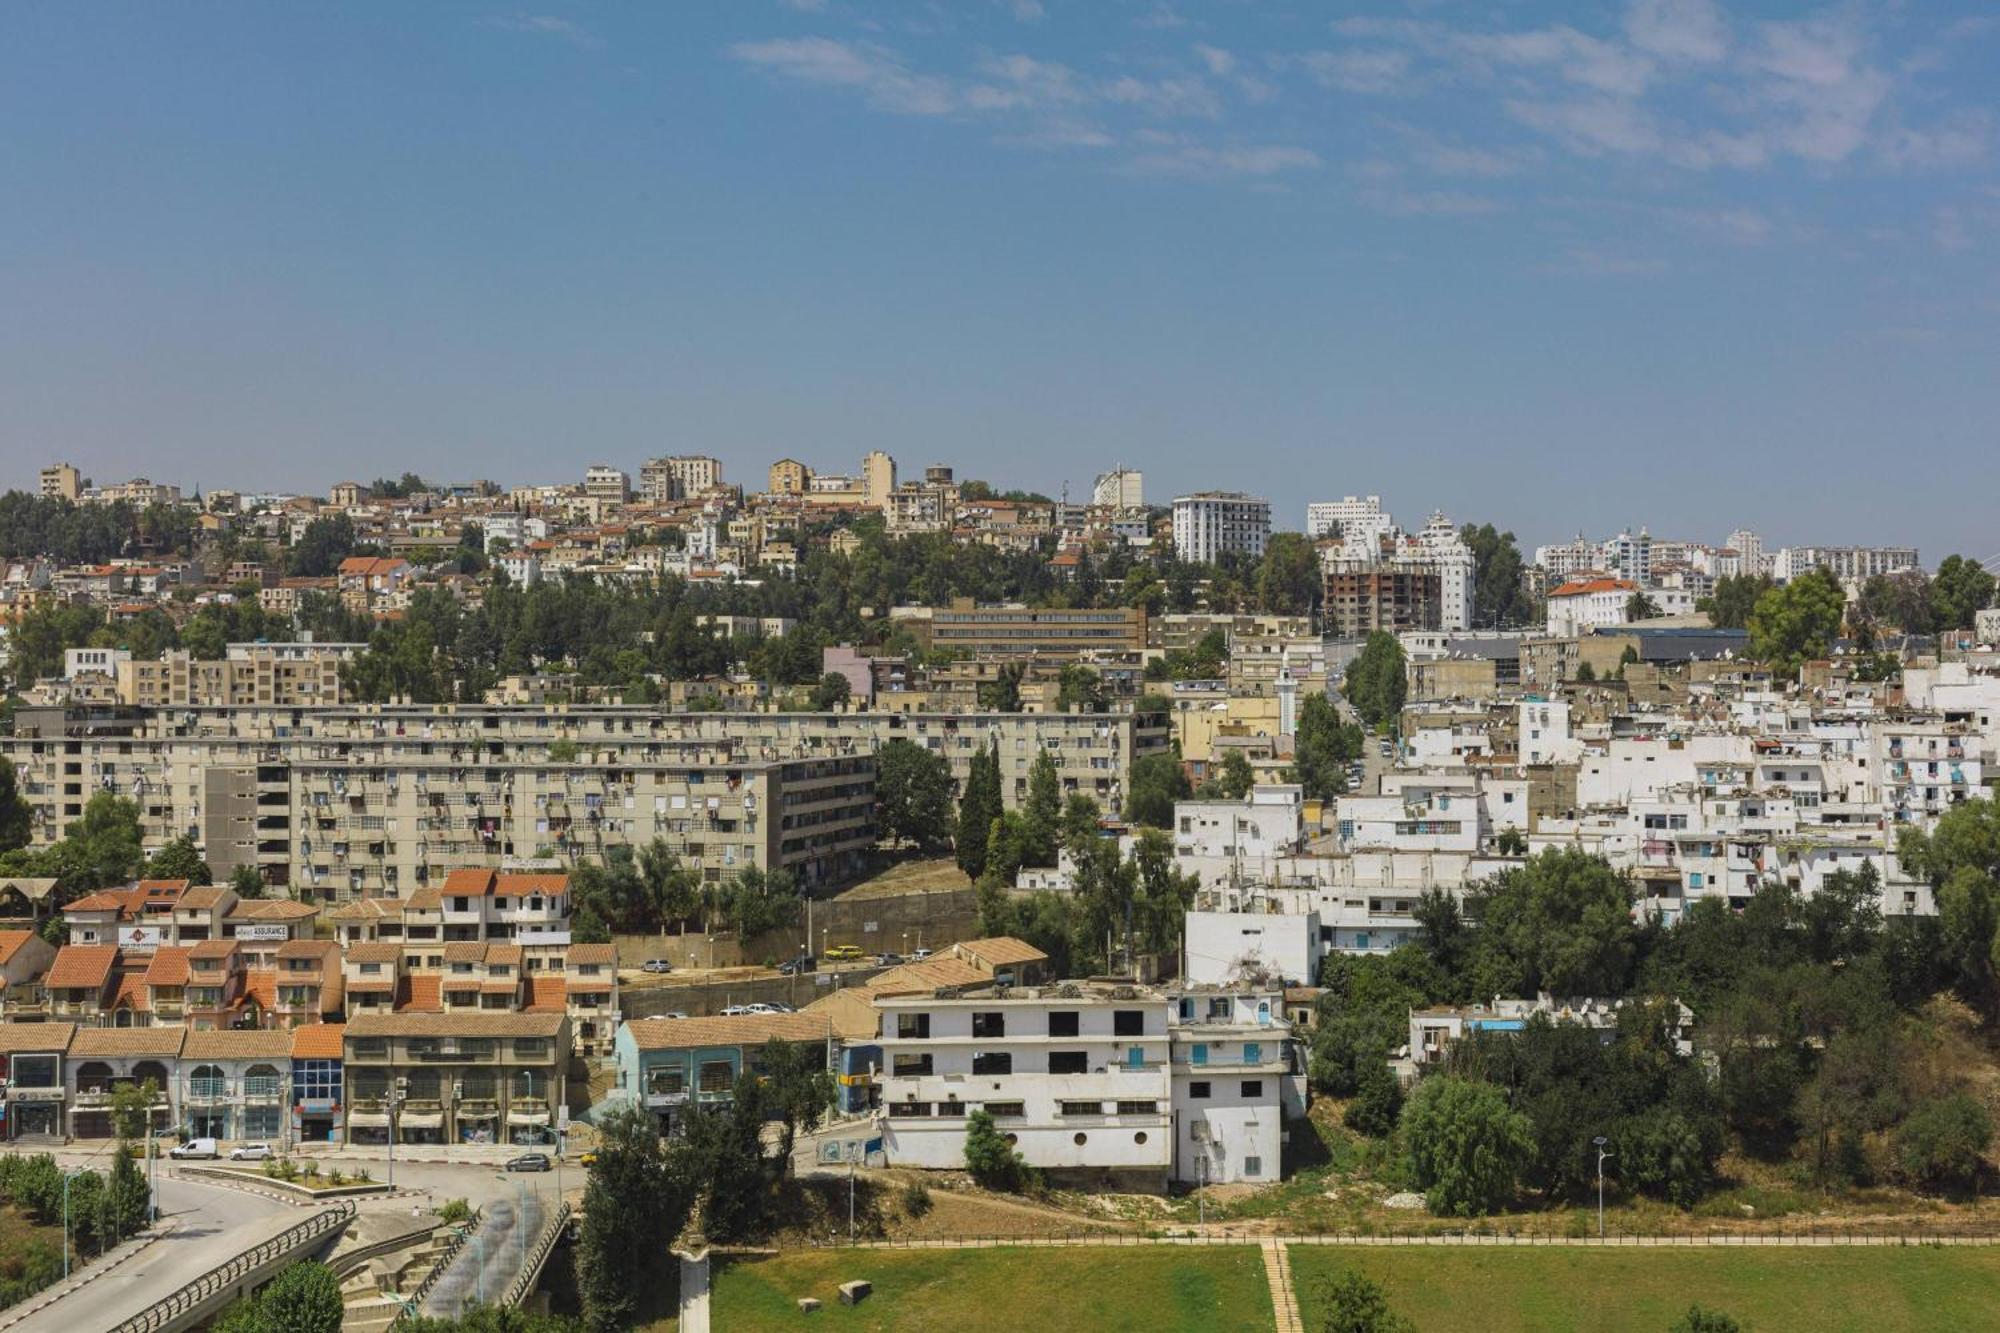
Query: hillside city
x,y
1032,865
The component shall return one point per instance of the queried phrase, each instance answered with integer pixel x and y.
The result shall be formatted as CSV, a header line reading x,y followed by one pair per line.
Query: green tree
x,y
1351,1303
1641,607
1041,813
1960,590
1797,622
1734,598
1499,598
1002,694
1960,856
755,900
245,882
672,889
1377,1101
1154,784
1235,777
325,542
989,1158
127,1201
913,789
1322,747
1466,1147
1288,576
1377,680
302,1298
100,849
13,810
1943,1142
131,1108
979,804
179,860
634,1207
587,927
799,1089
1561,922
1901,600
1079,690
831,694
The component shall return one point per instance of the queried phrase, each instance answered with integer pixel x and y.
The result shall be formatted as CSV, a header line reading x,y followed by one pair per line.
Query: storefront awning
x,y
527,1118
411,1120
368,1119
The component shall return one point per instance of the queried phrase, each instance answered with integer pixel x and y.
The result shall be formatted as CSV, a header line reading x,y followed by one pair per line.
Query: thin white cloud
x,y
872,71
1206,160
546,25
1695,31
1429,203
1366,70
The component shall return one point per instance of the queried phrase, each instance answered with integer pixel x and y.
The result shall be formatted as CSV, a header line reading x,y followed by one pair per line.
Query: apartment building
x,y
251,675
60,481
1098,1083
258,785
1363,596
317,1082
1023,631
1120,488
1850,564
440,1078
788,476
237,1084
1347,518
1211,523
607,485
678,477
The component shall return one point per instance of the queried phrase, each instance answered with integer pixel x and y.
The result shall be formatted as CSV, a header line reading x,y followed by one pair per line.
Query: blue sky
x,y
1554,265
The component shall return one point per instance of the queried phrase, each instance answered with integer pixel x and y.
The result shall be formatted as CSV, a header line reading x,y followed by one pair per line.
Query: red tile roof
x,y
317,1041
470,882
82,965
169,966
1579,587
422,994
546,992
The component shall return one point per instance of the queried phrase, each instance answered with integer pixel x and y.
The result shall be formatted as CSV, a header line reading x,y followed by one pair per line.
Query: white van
x,y
195,1148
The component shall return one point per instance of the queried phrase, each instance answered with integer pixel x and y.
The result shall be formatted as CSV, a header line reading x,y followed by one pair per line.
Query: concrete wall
x,y
930,919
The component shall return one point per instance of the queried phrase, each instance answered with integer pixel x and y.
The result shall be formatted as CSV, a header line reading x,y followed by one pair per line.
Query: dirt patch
x,y
910,877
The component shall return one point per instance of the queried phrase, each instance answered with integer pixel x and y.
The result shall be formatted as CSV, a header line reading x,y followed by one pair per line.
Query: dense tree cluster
x,y
1377,680
1812,1026
1322,748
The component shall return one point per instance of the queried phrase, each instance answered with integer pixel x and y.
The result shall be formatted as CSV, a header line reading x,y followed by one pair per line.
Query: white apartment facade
x,y
1211,523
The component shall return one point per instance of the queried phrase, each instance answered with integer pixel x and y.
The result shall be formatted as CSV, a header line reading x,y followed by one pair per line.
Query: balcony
x,y
207,1092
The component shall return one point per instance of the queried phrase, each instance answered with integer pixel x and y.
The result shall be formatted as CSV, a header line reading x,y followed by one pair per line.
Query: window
x,y
716,1076
1079,1108
1138,1108
999,1110
670,1082
1253,1087
1253,1053
1063,1024
1128,1023
910,1066
1253,1166
992,1062
992,1023
1069,1062
1198,1092
1081,1138
915,1027
908,1110
1198,1053
953,1108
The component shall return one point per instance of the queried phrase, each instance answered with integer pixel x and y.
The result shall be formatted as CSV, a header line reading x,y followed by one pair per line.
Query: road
x,y
211,1224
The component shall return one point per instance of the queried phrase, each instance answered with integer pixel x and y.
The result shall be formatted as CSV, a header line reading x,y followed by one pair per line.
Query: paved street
x,y
212,1223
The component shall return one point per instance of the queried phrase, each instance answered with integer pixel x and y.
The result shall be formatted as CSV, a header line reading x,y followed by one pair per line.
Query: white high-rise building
x,y
1631,557
1120,488
1566,558
1213,522
1852,563
1438,549
1749,548
1327,518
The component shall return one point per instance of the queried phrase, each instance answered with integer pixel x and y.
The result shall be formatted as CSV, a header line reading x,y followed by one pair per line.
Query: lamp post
x,y
1600,1141
67,1177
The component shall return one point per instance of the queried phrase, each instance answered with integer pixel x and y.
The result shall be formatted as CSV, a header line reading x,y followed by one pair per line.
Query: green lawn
x,y
1151,1289
1574,1290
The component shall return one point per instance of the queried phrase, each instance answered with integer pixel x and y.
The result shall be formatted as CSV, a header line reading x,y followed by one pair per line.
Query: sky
x,y
1559,265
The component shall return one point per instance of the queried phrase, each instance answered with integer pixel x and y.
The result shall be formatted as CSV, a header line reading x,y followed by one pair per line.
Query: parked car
x,y
737,1011
530,1161
673,1013
844,953
656,965
793,967
588,1159
888,959
918,955
250,1152
195,1148
767,1007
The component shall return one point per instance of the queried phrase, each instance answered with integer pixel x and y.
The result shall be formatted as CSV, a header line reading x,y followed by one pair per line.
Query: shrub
x,y
455,1210
1940,1143
990,1159
1351,1303
1466,1146
916,1198
1698,1320
1375,1106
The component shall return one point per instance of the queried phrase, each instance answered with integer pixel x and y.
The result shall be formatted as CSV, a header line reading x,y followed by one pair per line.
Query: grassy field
x,y
1156,1289
1575,1290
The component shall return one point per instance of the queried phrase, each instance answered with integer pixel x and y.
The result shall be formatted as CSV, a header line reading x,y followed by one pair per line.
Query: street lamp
x,y
1600,1141
67,1177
